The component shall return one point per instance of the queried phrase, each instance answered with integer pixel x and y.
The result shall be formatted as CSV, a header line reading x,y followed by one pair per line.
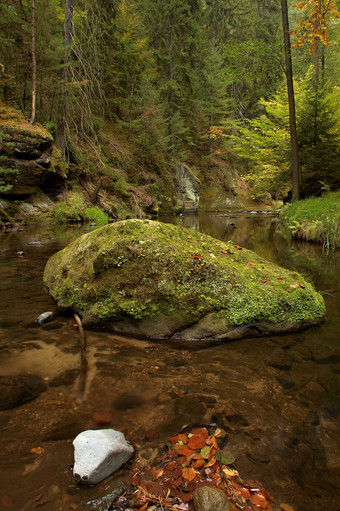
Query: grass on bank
x,y
315,219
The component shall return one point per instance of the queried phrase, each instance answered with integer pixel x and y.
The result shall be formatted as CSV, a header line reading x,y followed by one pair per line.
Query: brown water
x,y
277,397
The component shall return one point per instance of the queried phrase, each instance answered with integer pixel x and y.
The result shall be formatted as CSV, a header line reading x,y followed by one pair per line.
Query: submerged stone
x,y
99,453
146,278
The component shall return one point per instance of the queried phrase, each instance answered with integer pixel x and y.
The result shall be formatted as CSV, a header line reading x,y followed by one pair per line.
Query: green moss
x,y
315,219
140,269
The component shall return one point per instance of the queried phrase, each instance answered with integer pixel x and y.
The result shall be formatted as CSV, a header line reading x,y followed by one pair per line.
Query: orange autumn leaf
x,y
197,256
143,508
211,462
199,464
279,279
286,507
188,474
264,281
250,264
238,247
259,500
225,251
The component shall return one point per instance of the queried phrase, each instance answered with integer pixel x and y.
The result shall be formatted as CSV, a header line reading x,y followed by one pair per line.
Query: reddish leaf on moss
x,y
238,247
197,256
225,251
250,264
264,281
288,290
279,279
295,285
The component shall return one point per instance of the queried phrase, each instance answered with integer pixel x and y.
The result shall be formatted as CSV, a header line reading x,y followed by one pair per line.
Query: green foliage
x,y
264,143
315,219
318,126
70,209
95,214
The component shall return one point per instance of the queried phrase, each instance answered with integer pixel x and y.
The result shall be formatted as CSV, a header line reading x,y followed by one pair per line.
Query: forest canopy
x,y
182,81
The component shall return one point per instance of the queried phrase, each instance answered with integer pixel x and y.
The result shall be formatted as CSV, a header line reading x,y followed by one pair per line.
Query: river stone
x,y
45,317
17,390
99,453
207,498
150,279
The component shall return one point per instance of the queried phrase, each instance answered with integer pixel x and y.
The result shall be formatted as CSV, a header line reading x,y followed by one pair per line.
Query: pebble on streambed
x,y
99,453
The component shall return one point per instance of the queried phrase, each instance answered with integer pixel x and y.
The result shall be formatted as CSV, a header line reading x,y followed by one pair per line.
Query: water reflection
x,y
276,397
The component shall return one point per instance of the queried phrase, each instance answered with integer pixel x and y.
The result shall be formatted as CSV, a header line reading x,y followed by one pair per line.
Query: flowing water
x,y
277,397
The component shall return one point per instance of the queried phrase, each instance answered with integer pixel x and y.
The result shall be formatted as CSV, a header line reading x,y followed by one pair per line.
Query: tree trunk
x,y
68,35
291,102
34,67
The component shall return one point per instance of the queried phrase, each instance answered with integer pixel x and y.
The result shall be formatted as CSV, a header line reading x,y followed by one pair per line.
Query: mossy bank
x,y
316,219
156,280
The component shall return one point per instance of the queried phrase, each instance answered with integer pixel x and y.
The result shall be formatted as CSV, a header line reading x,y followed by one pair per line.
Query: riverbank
x,y
315,219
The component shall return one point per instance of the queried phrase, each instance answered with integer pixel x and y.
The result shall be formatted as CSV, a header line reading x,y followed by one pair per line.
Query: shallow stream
x,y
277,397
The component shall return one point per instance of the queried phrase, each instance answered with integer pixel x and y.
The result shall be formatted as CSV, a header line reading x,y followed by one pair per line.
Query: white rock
x,y
98,453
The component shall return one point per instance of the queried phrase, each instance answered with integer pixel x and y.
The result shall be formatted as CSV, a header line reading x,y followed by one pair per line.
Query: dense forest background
x,y
132,89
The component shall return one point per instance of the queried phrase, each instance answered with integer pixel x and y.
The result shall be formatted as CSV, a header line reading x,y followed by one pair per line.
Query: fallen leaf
x,y
189,474
288,290
199,464
264,281
279,279
294,285
259,500
143,508
182,438
6,500
230,472
37,450
197,256
302,286
227,457
196,442
211,462
238,247
205,452
157,473
225,251
250,264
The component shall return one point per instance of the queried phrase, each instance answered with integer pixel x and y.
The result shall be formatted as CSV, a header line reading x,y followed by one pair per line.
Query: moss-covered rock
x,y
25,153
158,280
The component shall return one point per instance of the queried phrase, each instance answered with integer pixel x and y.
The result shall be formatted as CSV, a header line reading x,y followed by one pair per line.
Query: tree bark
x,y
68,35
34,66
291,101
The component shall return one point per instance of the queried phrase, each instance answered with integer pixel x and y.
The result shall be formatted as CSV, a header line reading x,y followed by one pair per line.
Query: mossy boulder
x,y
146,278
25,152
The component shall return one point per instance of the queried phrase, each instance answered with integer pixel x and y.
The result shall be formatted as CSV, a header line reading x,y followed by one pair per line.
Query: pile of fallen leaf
x,y
195,458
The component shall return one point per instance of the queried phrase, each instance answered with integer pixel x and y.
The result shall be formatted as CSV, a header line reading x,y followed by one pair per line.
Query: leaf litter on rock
x,y
174,476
